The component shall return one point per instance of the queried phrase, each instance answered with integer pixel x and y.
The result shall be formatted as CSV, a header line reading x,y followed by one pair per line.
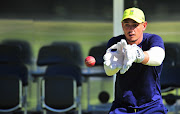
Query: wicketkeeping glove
x,y
114,56
132,53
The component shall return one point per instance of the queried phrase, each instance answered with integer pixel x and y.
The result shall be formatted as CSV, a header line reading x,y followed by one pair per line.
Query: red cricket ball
x,y
90,61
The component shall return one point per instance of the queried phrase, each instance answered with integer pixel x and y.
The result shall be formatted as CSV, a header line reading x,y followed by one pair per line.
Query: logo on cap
x,y
131,12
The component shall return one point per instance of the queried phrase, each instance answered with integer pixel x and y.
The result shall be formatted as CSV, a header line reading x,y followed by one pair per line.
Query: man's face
x,y
133,30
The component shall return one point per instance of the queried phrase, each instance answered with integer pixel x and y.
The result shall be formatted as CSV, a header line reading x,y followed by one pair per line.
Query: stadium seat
x,y
13,80
76,50
170,73
170,79
26,52
61,82
98,74
54,54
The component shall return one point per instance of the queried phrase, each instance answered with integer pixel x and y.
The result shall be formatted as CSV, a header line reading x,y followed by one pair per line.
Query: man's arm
x,y
154,56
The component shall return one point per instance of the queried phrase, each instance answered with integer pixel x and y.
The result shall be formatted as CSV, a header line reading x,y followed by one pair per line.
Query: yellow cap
x,y
135,14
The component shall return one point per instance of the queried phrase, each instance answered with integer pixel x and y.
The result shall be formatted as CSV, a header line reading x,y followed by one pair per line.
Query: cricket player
x,y
136,58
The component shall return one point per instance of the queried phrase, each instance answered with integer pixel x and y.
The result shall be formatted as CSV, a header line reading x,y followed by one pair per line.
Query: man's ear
x,y
145,25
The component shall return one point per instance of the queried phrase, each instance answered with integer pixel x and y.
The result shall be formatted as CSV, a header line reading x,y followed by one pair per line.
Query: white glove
x,y
114,56
132,53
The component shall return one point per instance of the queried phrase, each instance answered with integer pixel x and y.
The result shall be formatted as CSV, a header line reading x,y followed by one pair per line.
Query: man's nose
x,y
131,27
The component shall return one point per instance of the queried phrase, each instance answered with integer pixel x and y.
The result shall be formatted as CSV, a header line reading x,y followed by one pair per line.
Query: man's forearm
x,y
154,56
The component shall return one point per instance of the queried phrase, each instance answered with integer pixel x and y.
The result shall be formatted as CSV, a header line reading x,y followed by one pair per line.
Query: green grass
x,y
169,31
88,34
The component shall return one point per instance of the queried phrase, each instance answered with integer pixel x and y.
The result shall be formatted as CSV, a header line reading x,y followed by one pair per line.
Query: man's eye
x,y
135,25
127,25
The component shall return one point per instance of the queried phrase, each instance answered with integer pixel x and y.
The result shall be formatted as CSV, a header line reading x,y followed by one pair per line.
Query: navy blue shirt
x,y
139,87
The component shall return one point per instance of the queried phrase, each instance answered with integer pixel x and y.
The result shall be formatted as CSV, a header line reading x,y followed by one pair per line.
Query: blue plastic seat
x,y
13,80
61,81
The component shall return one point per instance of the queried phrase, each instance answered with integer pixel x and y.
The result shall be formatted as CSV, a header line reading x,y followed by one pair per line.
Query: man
x,y
136,59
